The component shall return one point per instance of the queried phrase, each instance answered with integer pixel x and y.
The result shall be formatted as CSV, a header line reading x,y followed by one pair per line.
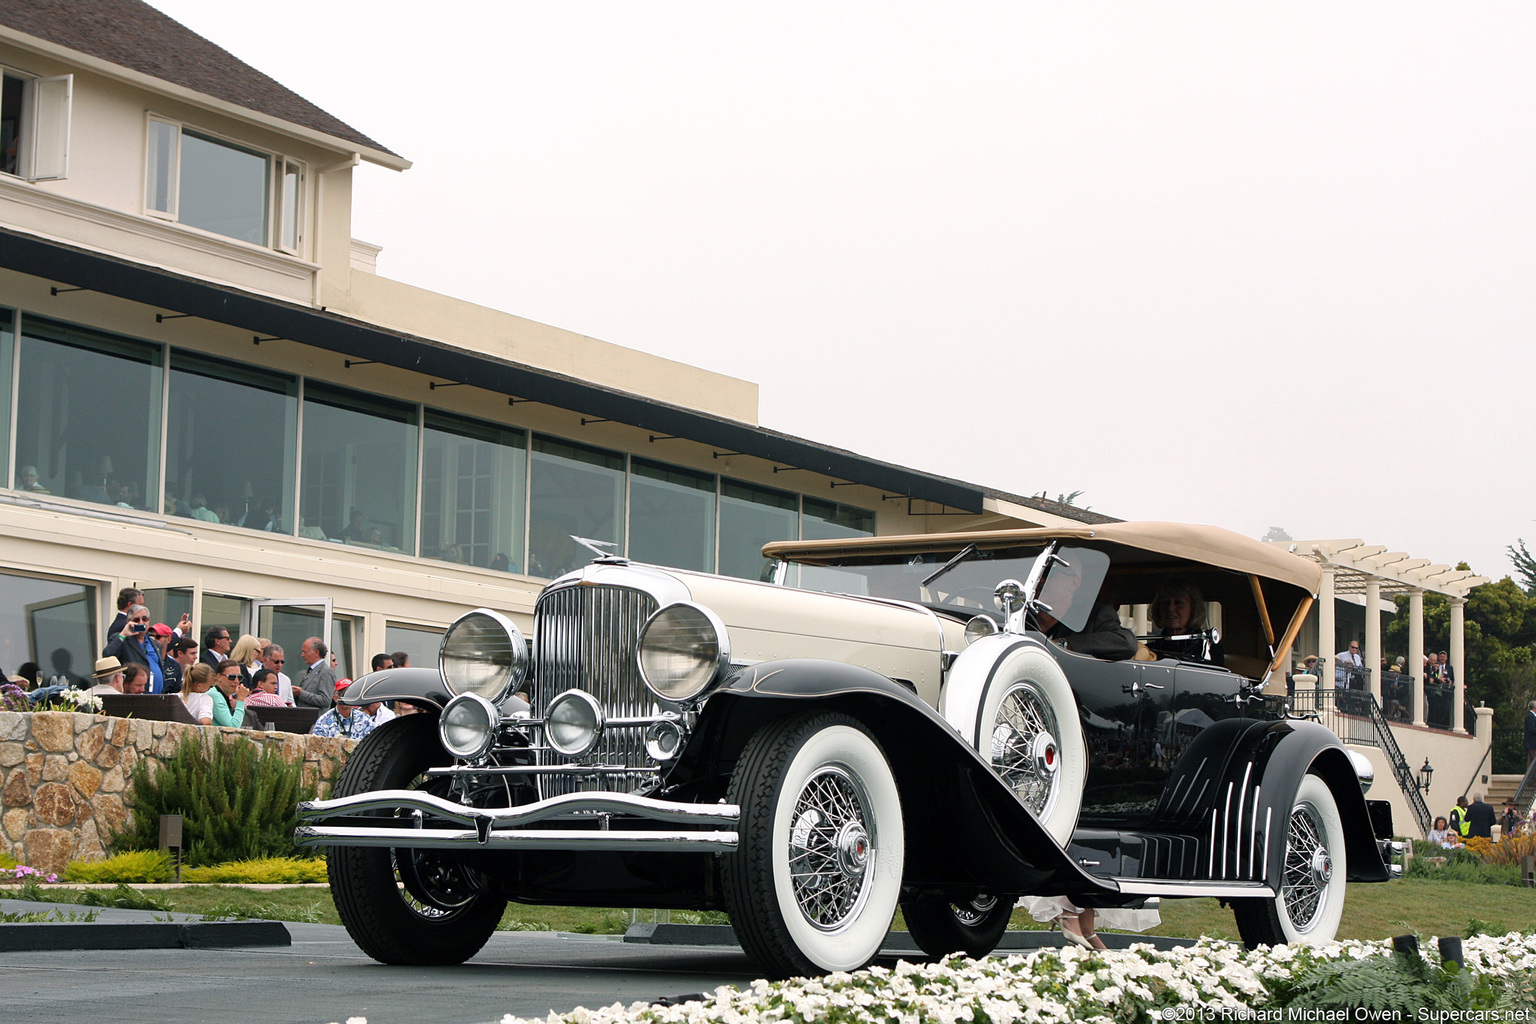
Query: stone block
x,y
16,821
84,779
108,756
82,722
54,804
34,763
118,731
89,743
18,789
111,814
114,780
56,768
49,849
88,843
157,729
166,746
13,725
12,753
54,731
143,733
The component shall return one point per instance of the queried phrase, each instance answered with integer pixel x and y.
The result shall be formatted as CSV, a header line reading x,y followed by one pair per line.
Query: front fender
x,y
966,830
423,687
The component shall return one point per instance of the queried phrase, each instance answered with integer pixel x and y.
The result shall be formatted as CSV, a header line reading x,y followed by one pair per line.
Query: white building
x,y
208,392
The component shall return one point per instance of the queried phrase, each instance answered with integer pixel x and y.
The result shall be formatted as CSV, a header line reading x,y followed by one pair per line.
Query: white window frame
x,y
279,167
43,139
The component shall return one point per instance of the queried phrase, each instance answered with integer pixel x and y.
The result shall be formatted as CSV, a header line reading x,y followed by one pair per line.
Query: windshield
x,y
966,587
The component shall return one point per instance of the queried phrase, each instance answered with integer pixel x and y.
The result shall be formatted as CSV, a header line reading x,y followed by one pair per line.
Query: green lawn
x,y
1423,907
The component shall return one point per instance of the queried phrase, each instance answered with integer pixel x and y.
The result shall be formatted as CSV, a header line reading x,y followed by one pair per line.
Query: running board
x,y
1176,890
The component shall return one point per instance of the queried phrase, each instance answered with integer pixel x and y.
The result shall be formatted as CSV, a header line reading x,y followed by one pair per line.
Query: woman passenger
x,y
1179,610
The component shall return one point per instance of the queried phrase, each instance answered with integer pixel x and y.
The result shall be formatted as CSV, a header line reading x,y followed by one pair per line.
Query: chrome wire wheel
x,y
972,914
830,850
1308,867
1024,748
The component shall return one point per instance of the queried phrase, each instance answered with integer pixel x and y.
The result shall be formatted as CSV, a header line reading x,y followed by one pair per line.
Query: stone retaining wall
x,y
64,776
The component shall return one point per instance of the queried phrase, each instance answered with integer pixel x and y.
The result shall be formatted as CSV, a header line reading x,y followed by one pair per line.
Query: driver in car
x,y
1102,636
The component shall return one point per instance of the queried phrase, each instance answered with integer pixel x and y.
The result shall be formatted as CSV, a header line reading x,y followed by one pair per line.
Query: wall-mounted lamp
x,y
1426,775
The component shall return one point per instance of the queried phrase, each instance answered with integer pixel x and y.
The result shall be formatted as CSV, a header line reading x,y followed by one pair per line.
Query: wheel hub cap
x,y
1046,759
1322,867
852,849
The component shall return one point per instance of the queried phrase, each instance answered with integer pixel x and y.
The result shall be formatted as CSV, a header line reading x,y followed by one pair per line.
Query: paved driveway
x,y
323,977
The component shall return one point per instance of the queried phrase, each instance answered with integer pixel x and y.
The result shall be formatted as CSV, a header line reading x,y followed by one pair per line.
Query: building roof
x,y
133,35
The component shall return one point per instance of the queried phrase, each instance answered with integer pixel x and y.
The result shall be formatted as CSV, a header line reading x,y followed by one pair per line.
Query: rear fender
x,y
1233,789
965,829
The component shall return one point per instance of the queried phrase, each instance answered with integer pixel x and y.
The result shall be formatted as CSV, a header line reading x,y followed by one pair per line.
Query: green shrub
x,y
133,866
6,861
239,801
1460,866
266,871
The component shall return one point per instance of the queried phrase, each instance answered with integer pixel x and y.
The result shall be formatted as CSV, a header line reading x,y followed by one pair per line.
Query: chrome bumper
x,y
708,827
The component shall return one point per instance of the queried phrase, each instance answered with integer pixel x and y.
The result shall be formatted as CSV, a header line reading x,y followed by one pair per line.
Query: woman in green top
x,y
229,706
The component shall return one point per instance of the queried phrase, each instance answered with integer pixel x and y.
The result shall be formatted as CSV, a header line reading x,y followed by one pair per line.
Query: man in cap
x,y
108,675
343,720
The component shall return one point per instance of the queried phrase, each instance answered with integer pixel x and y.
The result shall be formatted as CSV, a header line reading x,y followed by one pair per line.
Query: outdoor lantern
x,y
1426,775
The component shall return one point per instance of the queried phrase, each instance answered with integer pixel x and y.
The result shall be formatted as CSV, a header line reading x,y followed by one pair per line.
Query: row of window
x,y
52,624
191,176
113,420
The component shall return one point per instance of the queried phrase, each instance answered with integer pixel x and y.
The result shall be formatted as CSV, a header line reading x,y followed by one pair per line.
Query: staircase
x,y
1501,789
1356,718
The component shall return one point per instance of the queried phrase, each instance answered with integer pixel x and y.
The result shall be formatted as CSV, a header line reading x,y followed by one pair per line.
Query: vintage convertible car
x,y
942,722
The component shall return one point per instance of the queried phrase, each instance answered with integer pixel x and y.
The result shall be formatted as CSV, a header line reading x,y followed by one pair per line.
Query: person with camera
x,y
134,646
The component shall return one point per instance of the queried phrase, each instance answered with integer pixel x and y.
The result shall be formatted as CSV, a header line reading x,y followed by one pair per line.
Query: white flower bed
x,y
1067,984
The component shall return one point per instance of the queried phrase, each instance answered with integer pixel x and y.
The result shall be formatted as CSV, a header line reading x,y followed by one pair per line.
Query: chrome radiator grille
x,y
584,637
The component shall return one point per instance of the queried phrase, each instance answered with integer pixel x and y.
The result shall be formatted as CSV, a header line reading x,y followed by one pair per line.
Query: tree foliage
x,y
1525,565
1276,533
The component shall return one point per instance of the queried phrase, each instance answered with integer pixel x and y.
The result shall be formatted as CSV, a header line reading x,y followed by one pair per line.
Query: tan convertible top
x,y
1210,545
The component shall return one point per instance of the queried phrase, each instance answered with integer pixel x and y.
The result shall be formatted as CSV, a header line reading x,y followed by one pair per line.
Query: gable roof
x,y
133,35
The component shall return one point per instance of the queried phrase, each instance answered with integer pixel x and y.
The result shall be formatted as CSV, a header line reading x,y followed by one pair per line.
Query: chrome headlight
x,y
978,627
483,653
573,723
683,649
1365,772
663,740
467,726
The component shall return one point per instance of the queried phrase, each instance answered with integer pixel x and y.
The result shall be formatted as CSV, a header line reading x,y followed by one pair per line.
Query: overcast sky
x,y
1251,265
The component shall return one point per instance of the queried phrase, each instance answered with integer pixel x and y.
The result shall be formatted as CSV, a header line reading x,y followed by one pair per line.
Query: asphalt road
x,y
323,977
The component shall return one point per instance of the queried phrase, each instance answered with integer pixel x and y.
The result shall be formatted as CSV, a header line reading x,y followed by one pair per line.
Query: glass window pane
x,y
88,415
343,629
359,478
231,443
749,518
50,624
419,642
671,516
223,189
472,492
223,612
827,520
7,363
12,89
168,605
162,167
288,626
576,491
